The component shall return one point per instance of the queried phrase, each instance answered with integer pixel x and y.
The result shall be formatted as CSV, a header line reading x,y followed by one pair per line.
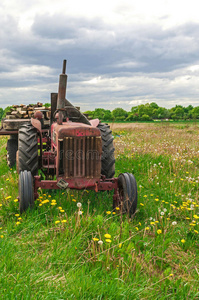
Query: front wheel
x,y
127,189
26,191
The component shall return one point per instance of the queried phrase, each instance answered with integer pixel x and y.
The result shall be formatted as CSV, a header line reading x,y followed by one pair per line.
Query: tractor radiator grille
x,y
82,156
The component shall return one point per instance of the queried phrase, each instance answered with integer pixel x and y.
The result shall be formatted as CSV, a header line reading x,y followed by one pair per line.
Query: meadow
x,y
73,246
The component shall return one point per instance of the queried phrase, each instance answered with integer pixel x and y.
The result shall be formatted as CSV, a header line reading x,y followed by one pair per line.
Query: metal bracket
x,y
62,184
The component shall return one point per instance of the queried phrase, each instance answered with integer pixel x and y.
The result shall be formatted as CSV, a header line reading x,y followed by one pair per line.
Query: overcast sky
x,y
119,53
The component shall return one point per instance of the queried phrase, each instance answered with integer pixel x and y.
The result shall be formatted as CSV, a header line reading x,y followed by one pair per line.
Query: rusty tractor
x,y
70,150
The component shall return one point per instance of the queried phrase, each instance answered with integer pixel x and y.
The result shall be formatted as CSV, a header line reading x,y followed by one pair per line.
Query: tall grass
x,y
66,250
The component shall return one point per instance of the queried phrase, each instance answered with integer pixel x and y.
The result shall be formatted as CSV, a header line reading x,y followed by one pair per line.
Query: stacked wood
x,y
27,111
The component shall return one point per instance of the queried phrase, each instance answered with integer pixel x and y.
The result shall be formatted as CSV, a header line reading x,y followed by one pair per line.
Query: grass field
x,y
55,251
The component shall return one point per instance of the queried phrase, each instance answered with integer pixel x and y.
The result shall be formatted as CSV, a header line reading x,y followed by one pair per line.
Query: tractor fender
x,y
94,122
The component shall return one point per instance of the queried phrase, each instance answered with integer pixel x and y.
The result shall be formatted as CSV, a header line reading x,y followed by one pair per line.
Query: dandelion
x,y
141,204
40,204
56,222
117,208
147,228
137,228
108,212
164,209
107,236
183,241
64,221
139,223
196,217
156,199
53,200
19,218
159,231
170,275
108,240
95,239
1,236
152,223
120,245
157,222
79,204
17,223
145,196
74,200
8,198
100,242
114,213
62,210
196,231
0,204
59,207
174,223
80,213
162,213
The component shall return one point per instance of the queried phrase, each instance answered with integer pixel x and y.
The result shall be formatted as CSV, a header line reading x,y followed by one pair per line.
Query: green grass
x,y
50,253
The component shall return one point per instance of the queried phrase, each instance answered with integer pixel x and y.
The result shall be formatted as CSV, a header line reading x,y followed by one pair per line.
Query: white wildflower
x,y
79,204
174,223
100,242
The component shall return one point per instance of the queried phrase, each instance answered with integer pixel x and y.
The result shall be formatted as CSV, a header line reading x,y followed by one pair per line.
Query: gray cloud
x,y
108,65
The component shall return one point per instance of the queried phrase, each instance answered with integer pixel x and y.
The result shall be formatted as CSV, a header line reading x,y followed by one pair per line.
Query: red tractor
x,y
73,152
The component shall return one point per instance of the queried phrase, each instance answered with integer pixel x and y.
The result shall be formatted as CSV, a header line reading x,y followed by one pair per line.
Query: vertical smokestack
x,y
62,87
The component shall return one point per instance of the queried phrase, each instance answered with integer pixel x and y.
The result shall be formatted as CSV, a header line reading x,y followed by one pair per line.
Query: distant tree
x,y
1,113
119,112
47,105
7,109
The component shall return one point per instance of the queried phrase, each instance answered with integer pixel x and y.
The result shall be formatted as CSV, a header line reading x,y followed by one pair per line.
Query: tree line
x,y
142,112
146,112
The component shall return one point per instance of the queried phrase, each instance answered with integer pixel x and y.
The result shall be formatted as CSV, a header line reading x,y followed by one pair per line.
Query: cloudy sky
x,y
119,53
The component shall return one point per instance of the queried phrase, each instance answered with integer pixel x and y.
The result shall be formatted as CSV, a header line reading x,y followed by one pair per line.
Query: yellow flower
x,y
95,239
147,228
7,179
145,196
108,240
0,228
64,221
139,223
16,215
156,221
196,231
114,213
156,199
183,241
19,218
17,223
141,204
53,203
16,200
62,210
108,212
159,231
9,198
120,245
136,228
117,208
40,204
170,275
1,236
74,200
196,217
56,222
152,223
49,196
0,204
53,200
107,236
60,207
192,224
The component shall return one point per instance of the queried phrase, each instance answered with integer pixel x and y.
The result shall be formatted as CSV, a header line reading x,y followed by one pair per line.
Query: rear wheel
x,y
127,188
28,149
108,158
12,147
26,191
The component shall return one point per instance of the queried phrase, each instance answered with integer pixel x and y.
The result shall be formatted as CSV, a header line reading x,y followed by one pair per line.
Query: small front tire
x,y
26,191
127,189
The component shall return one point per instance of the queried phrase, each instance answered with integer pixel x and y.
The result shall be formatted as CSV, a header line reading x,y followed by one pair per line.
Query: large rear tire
x,y
26,191
12,147
28,149
108,158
